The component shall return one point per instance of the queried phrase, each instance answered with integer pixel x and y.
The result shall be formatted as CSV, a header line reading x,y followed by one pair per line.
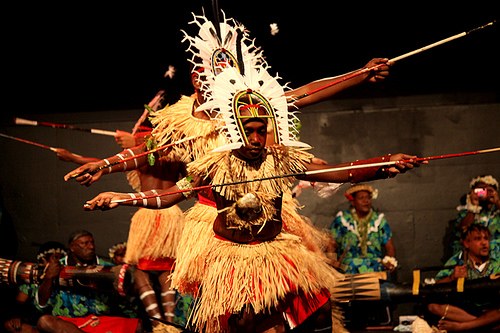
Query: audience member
x,y
362,242
88,309
362,235
474,261
482,206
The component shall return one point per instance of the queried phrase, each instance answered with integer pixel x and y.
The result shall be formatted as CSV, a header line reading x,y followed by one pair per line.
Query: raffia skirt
x,y
224,277
154,234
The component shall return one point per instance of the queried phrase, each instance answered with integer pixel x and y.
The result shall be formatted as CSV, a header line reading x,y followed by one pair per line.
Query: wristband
x,y
132,196
110,168
120,156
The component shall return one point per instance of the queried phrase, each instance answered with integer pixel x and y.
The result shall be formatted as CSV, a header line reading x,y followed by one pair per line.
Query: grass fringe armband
x,y
185,184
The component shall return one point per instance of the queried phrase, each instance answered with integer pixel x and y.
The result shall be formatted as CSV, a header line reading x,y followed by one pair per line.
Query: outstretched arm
x,y
320,90
67,156
401,164
490,318
128,159
153,199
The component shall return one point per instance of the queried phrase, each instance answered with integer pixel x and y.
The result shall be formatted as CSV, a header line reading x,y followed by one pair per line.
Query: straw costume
x,y
241,252
177,122
232,274
202,258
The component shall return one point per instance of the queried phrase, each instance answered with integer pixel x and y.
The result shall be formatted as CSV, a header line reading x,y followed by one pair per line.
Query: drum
x,y
361,287
103,278
15,272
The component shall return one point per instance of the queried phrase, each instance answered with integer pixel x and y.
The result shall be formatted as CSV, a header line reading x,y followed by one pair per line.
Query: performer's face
x,y
256,132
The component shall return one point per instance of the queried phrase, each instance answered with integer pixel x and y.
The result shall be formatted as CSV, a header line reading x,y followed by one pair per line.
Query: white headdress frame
x,y
229,83
207,43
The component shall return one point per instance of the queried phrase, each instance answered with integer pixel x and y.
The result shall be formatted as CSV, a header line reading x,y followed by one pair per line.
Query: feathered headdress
x,y
220,45
235,97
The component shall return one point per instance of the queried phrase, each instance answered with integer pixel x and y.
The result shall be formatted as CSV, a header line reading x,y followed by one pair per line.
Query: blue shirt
x,y
345,231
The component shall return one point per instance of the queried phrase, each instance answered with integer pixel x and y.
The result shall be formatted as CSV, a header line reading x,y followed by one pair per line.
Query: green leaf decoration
x,y
151,144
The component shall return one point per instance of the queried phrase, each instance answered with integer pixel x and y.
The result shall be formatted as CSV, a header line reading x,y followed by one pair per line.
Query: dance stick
x,y
21,121
313,172
152,106
393,60
131,158
33,143
418,159
28,142
446,40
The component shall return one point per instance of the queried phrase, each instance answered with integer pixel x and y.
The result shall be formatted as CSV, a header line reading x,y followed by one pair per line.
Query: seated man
x,y
87,309
473,262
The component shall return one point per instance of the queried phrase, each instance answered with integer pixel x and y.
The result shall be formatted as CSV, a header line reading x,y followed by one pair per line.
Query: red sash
x,y
159,264
104,324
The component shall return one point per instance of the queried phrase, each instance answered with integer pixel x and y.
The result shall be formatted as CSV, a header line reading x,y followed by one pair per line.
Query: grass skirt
x,y
154,233
259,275
191,263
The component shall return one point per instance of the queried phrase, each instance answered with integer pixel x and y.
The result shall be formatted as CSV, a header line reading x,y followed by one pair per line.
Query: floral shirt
x,y
345,231
80,302
473,305
492,267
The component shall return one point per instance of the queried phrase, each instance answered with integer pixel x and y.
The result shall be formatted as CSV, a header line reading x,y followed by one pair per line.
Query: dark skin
x,y
51,267
46,323
119,256
151,177
82,251
256,132
362,203
87,174
163,174
454,318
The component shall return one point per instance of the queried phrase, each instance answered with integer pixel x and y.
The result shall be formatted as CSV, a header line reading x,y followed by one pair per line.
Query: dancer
x,y
247,226
178,123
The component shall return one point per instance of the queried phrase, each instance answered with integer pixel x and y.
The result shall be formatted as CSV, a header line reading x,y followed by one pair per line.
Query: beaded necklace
x,y
362,226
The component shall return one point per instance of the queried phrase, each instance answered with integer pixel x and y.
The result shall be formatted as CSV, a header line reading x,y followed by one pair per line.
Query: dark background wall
x,y
39,206
420,203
